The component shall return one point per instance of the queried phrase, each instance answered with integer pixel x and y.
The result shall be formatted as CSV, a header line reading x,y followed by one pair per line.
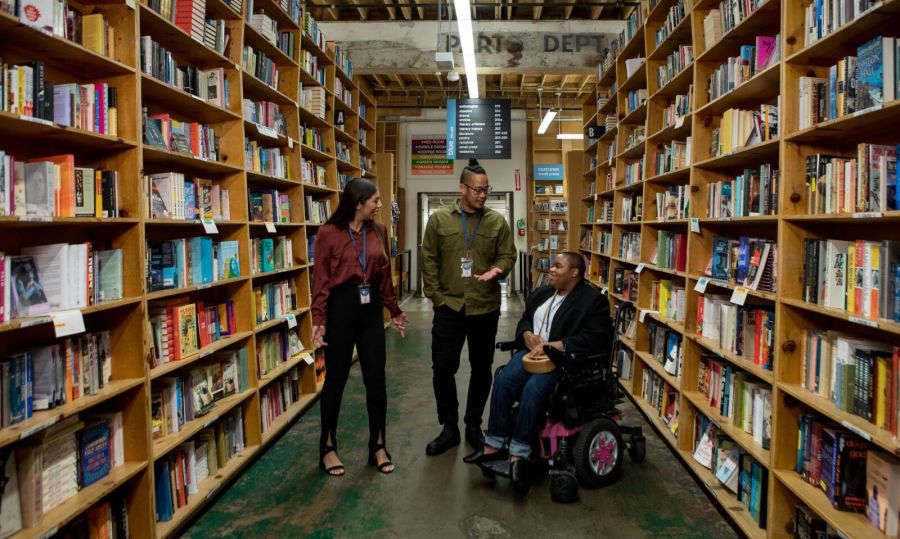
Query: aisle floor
x,y
284,494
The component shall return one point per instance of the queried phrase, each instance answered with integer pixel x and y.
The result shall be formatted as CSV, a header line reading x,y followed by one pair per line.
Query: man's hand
x,y
319,337
489,275
400,323
533,342
558,345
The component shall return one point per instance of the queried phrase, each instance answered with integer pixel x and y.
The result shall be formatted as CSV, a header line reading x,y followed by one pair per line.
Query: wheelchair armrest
x,y
506,346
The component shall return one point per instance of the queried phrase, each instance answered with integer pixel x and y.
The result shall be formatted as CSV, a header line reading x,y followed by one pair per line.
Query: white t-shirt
x,y
543,320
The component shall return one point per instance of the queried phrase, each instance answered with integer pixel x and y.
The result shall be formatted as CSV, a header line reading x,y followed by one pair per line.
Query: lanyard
x,y
362,261
469,240
550,310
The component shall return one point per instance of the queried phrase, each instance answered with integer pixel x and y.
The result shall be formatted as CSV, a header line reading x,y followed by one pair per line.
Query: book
x,y
94,451
109,275
39,189
875,72
29,297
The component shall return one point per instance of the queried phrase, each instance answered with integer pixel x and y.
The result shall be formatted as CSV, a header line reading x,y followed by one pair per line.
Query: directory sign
x,y
478,128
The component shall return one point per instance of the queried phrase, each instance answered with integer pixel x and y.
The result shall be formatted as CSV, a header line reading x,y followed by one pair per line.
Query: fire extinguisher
x,y
520,225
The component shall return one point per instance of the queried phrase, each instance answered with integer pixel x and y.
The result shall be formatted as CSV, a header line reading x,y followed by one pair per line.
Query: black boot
x,y
475,437
448,438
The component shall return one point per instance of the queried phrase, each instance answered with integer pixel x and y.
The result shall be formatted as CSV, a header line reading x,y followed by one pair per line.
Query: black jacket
x,y
582,321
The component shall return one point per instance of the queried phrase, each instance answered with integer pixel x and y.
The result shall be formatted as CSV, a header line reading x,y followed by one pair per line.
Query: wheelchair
x,y
582,440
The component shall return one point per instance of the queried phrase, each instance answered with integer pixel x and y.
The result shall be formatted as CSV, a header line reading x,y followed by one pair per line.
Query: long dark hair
x,y
357,191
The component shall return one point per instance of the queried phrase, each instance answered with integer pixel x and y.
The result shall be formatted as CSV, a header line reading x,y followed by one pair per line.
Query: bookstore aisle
x,y
284,494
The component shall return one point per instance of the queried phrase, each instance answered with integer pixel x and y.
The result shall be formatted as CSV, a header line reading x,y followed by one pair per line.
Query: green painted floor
x,y
284,494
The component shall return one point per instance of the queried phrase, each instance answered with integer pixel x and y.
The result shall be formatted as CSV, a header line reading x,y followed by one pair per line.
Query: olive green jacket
x,y
444,246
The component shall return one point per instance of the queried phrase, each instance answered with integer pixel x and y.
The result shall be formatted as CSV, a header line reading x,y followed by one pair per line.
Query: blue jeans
x,y
531,390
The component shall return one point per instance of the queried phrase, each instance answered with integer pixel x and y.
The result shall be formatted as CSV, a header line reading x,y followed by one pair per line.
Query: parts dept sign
x,y
507,45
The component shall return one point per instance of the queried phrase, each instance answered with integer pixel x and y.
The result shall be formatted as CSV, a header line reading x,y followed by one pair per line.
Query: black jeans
x,y
347,324
449,330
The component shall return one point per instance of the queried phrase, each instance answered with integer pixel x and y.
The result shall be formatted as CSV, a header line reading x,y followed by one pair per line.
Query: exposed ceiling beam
x,y
596,12
498,11
420,81
568,12
331,9
392,11
401,83
420,9
537,10
406,10
363,11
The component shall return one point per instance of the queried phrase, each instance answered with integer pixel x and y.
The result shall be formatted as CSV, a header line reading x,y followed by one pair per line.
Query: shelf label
x,y
204,286
640,268
604,291
863,321
643,314
701,284
290,143
739,296
36,219
129,3
267,131
38,428
35,322
866,111
209,226
291,321
695,225
67,323
34,120
205,353
270,227
307,358
856,430
867,215
50,533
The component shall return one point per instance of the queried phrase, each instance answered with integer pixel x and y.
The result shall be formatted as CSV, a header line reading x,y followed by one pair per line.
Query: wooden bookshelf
x,y
133,382
788,227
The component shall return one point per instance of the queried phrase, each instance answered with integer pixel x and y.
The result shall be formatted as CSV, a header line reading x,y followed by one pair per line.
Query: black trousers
x,y
347,324
449,330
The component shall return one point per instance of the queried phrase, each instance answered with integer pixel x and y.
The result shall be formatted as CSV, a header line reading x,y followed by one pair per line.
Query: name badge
x,y
465,267
365,294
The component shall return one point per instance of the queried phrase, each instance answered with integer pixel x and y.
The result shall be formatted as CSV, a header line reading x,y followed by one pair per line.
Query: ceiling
x,y
380,10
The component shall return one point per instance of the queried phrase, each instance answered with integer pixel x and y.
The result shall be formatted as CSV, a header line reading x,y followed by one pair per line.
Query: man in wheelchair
x,y
569,318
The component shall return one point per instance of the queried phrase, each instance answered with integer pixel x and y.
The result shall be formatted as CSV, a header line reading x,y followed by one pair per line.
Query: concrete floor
x,y
284,494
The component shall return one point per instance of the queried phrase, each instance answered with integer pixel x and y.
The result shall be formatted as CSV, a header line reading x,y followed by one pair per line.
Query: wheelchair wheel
x,y
638,449
598,453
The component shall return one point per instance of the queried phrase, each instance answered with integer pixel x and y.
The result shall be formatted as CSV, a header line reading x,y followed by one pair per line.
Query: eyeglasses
x,y
480,190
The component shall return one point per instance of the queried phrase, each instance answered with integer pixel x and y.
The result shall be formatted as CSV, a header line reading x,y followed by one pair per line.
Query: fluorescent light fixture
x,y
545,123
463,10
570,136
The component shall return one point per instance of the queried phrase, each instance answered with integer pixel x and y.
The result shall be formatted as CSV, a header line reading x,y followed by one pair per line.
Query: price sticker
x,y
67,323
209,226
679,121
701,284
291,321
36,218
290,143
863,321
267,131
856,430
739,296
639,268
867,215
270,227
37,428
695,225
307,358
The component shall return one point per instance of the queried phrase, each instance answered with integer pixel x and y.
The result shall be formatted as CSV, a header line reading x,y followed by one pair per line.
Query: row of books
x,y
743,261
107,518
265,113
172,196
260,66
550,243
746,331
742,128
177,400
630,246
274,162
312,98
366,163
859,277
678,109
605,211
275,348
665,345
73,22
182,262
48,278
860,376
54,375
270,254
342,61
312,138
278,397
679,59
313,173
191,138
735,469
737,396
604,242
270,205
673,203
634,172
662,397
54,186
753,193
179,328
179,474
312,31
266,26
737,70
668,299
210,85
634,100
673,155
317,211
840,184
673,18
342,151
274,300
637,135
728,15
625,283
292,8
670,251
822,17
58,462
854,84
342,92
632,210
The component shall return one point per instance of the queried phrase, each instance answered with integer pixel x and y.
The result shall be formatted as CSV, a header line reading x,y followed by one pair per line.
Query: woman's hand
x,y
533,342
400,323
319,337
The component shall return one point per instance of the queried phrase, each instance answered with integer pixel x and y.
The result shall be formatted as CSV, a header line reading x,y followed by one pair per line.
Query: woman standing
x,y
351,282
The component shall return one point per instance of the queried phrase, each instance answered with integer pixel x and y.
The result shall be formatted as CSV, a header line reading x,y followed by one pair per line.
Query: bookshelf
x,y
674,390
264,168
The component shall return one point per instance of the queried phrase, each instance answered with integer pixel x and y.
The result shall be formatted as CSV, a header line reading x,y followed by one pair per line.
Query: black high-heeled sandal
x,y
373,460
334,471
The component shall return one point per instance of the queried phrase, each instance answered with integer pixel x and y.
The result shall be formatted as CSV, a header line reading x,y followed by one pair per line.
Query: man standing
x,y
466,248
